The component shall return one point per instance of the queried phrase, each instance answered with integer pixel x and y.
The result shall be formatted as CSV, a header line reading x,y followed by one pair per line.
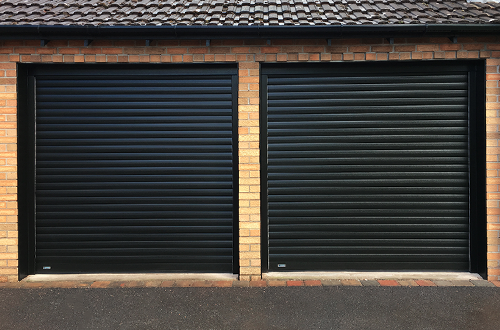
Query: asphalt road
x,y
371,308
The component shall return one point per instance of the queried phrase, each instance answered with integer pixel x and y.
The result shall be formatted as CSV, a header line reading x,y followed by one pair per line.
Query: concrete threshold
x,y
131,277
444,276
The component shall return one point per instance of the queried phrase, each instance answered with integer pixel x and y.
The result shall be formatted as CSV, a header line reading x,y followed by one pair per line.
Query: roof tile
x,y
245,12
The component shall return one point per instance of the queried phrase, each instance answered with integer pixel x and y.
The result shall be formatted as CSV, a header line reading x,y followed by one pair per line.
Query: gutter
x,y
58,32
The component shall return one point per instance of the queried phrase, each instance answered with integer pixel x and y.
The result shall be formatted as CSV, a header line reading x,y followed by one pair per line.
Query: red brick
x,y
383,49
239,50
438,55
112,50
8,81
24,50
178,58
359,49
315,57
130,284
303,57
112,58
393,56
451,47
314,49
183,284
220,50
268,49
473,46
348,57
167,284
312,283
177,50
405,56
473,54
198,50
382,56
4,66
484,54
202,284
494,272
70,51
497,283
359,57
427,55
258,283
100,284
495,54
69,58
450,55
404,48
150,284
208,57
427,48
223,284
295,283
336,49
46,50
388,282
493,77
134,51
351,282
425,283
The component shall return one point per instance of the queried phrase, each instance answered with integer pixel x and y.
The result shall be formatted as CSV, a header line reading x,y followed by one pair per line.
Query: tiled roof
x,y
245,12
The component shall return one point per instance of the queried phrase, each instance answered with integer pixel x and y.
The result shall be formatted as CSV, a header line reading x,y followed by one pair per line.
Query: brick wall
x,y
248,54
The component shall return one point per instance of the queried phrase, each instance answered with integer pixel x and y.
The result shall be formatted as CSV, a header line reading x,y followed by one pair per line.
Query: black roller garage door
x,y
133,168
370,167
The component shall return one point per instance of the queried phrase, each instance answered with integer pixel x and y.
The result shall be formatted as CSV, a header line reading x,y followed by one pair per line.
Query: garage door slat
x,y
368,108
149,244
138,222
176,104
138,170
117,83
128,90
332,86
282,79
